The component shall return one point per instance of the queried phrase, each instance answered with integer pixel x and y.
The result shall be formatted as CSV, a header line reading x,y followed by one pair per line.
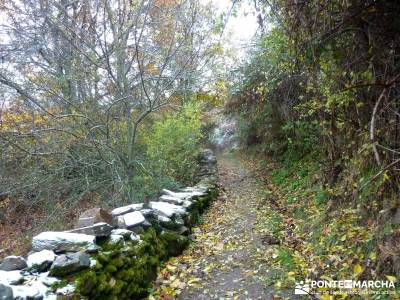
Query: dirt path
x,y
224,262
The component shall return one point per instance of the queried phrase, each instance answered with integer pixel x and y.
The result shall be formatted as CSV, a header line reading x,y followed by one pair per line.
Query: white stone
x,y
122,232
66,290
93,263
41,259
99,230
187,204
167,209
35,290
163,219
147,212
48,280
178,220
39,286
197,189
171,199
11,277
22,292
135,237
131,219
126,209
183,195
63,241
115,239
50,297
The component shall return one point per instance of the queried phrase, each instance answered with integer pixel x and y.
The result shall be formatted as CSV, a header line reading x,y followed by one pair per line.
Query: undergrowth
x,y
322,230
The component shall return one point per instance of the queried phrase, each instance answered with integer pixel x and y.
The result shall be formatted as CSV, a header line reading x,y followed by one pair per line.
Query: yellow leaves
x,y
151,69
21,121
171,268
209,268
357,269
372,256
291,276
194,282
391,278
177,284
385,176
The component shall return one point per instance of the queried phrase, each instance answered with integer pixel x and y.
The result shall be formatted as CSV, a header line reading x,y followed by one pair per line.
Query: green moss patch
x,y
126,271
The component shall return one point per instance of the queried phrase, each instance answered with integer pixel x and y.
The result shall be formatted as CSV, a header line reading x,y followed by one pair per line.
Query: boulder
x,y
11,277
187,195
126,209
32,291
183,230
41,261
93,216
70,263
48,280
93,262
135,238
116,239
167,209
169,223
197,189
11,263
164,221
122,232
147,212
171,199
98,230
63,242
179,220
131,220
66,291
6,292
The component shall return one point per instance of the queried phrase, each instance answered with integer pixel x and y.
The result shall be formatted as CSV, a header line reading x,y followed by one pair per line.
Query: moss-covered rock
x,y
126,270
123,272
174,242
192,218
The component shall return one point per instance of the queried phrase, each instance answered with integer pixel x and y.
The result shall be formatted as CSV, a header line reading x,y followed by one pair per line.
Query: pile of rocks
x,y
55,255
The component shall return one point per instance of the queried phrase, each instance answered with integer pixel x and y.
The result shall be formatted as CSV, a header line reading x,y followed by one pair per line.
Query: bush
x,y
172,144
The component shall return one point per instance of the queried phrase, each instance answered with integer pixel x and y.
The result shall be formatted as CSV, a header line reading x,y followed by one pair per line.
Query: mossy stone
x,y
174,243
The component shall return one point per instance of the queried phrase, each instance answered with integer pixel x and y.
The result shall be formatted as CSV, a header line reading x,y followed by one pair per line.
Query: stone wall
x,y
110,255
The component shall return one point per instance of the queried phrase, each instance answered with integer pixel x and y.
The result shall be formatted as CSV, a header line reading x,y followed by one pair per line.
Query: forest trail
x,y
226,259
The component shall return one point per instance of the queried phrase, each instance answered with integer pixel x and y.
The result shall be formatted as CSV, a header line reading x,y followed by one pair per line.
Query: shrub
x,y
172,144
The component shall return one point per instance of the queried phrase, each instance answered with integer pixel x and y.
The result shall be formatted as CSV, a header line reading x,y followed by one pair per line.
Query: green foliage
x,y
175,243
301,138
127,271
123,272
173,143
285,258
321,196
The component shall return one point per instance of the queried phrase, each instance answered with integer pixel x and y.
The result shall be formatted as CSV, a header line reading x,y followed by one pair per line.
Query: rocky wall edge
x,y
111,255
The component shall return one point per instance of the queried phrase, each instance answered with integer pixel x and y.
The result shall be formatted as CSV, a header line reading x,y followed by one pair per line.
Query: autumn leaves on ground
x,y
252,245
226,260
